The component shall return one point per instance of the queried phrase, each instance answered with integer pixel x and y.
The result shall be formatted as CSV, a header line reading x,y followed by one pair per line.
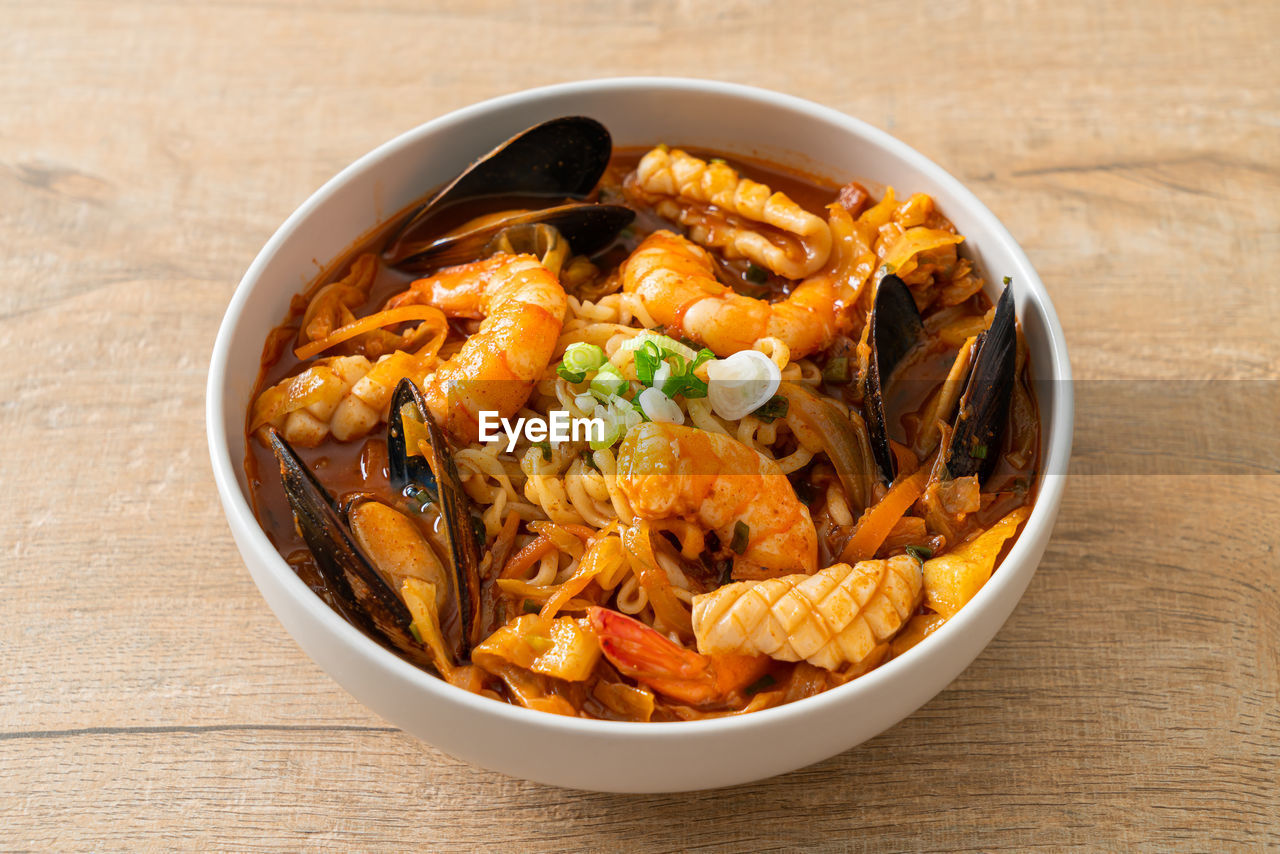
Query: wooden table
x,y
148,698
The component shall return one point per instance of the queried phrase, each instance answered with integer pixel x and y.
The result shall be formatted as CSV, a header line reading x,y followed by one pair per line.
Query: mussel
x,y
895,330
361,593
560,160
358,581
974,444
985,373
434,477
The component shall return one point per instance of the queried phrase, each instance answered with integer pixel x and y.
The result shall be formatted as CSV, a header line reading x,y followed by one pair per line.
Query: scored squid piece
x,y
750,221
841,615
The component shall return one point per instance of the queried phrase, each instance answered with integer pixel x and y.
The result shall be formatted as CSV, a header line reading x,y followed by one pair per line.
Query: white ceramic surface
x,y
604,755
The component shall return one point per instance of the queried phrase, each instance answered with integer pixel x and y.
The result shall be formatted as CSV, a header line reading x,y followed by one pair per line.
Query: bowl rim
x,y
1036,529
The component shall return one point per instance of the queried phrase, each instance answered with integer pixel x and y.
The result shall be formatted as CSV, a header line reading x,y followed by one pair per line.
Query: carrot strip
x,y
374,321
603,554
876,524
528,556
582,532
904,456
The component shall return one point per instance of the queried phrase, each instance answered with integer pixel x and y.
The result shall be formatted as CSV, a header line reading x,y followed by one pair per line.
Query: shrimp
x,y
675,279
649,657
712,200
669,471
523,307
841,615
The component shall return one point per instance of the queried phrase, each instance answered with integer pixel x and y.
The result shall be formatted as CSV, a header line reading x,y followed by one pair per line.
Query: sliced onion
x,y
658,407
741,384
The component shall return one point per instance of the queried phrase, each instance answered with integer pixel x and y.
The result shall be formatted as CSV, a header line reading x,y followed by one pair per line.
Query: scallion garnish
x,y
648,356
579,358
773,409
979,451
741,533
920,553
607,382
837,371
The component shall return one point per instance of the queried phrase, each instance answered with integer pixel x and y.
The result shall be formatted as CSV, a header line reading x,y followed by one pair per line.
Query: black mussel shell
x,y
588,228
562,158
896,328
362,595
454,505
976,441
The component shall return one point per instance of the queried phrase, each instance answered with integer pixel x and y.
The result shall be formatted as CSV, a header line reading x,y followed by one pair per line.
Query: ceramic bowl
x,y
603,755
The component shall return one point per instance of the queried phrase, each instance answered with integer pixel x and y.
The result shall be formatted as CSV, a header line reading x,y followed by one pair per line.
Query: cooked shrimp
x,y
676,281
842,615
669,471
523,307
649,657
712,200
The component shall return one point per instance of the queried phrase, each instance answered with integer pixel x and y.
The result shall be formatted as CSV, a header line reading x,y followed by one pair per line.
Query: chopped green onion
x,y
741,533
648,356
413,630
920,553
579,358
765,681
571,376
546,449
665,343
979,451
756,274
608,381
613,431
773,409
726,573
531,607
837,371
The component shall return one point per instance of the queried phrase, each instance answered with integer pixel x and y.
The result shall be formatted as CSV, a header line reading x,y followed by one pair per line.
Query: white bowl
x,y
604,755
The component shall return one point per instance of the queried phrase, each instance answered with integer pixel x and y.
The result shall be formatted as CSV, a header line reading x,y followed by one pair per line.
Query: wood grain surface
x,y
149,699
